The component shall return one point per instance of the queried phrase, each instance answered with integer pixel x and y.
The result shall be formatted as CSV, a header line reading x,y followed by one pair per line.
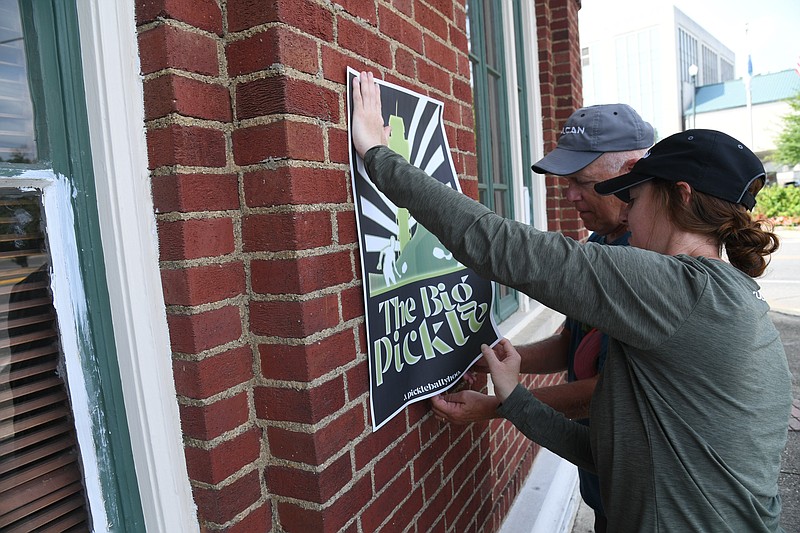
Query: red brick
x,y
294,319
404,516
303,14
196,333
280,94
315,487
203,14
283,139
364,42
347,230
399,29
402,454
263,50
302,275
213,375
295,186
382,506
441,54
436,77
168,47
223,504
171,93
195,238
405,63
338,146
432,517
357,381
186,145
208,422
404,6
352,303
430,20
316,448
306,406
364,9
195,192
228,457
259,519
379,441
463,91
332,518
276,232
335,63
203,284
307,362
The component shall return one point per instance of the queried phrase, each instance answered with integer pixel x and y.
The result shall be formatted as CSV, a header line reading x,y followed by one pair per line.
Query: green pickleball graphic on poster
x,y
408,257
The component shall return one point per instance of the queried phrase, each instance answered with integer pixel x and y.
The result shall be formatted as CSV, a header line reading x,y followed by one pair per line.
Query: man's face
x,y
600,214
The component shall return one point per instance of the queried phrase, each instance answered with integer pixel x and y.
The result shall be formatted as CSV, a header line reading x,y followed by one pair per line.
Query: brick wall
x,y
560,77
246,128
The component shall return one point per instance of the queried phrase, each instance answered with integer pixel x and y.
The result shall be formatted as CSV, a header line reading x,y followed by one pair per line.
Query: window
x,y
492,83
725,70
710,70
65,453
687,53
585,56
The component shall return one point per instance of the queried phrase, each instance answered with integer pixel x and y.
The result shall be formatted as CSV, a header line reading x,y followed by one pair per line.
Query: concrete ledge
x,y
548,500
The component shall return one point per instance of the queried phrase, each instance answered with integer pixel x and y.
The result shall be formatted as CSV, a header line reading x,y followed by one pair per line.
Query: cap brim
x,y
561,162
621,185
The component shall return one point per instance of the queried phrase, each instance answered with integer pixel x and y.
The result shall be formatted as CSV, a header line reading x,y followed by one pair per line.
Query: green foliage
x,y
776,201
788,142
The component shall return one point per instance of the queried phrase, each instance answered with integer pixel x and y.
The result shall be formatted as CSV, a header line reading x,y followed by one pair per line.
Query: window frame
x,y
518,31
101,233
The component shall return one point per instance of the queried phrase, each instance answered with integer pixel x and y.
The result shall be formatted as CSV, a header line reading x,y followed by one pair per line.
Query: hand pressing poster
x,y
426,314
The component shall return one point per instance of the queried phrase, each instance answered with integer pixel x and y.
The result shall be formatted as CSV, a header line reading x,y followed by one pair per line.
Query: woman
x,y
690,415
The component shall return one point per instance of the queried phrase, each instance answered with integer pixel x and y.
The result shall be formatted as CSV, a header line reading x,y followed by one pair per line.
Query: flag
x,y
749,65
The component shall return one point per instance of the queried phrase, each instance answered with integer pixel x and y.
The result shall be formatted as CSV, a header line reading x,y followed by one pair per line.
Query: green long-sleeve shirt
x,y
690,415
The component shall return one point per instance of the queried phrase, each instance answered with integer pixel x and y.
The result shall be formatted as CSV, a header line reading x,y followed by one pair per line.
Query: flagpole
x,y
748,86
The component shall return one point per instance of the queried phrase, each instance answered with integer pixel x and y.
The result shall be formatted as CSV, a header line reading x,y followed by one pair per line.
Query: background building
x,y
725,107
642,57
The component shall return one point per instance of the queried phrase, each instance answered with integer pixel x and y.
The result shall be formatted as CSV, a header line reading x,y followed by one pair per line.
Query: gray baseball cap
x,y
592,131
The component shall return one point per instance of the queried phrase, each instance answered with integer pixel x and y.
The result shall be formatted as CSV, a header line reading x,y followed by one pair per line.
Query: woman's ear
x,y
685,191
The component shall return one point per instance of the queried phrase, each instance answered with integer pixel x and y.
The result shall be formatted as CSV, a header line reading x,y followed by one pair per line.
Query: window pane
x,y
41,484
17,134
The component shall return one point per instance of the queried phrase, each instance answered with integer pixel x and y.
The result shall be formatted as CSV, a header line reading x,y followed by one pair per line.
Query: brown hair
x,y
747,242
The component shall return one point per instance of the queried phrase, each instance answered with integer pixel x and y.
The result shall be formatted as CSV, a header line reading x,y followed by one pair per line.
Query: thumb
x,y
490,356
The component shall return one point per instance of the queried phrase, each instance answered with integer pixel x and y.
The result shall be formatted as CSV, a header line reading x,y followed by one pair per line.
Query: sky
x,y
773,27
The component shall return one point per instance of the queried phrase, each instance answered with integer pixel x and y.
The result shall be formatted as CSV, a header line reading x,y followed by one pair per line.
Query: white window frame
x,y
113,85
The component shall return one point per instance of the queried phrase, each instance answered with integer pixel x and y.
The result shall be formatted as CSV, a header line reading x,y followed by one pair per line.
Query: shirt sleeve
x,y
546,426
635,296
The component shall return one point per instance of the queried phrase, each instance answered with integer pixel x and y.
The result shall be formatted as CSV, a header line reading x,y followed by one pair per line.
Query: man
x,y
596,143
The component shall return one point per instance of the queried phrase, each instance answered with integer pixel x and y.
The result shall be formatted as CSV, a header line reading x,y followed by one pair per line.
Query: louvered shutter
x,y
41,484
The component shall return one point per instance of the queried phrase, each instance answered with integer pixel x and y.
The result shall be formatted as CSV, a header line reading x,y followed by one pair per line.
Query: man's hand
x,y
464,407
503,363
367,129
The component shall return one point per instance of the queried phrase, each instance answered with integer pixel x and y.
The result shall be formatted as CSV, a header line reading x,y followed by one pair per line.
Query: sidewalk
x,y
789,480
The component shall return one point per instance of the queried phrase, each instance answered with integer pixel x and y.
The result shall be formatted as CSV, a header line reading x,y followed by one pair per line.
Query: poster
x,y
426,314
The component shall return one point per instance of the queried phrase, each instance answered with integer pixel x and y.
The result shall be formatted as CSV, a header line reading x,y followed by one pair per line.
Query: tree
x,y
788,142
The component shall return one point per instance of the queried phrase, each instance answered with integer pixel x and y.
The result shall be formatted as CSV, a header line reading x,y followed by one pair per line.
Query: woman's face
x,y
646,217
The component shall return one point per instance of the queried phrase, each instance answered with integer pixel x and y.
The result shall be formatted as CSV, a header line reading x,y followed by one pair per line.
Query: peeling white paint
x,y
69,301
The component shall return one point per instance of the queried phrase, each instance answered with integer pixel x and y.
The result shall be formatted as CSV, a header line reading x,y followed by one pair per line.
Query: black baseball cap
x,y
592,131
710,161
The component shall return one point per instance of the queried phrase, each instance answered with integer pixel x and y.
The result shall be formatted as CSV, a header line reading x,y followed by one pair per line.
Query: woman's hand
x,y
505,372
367,129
